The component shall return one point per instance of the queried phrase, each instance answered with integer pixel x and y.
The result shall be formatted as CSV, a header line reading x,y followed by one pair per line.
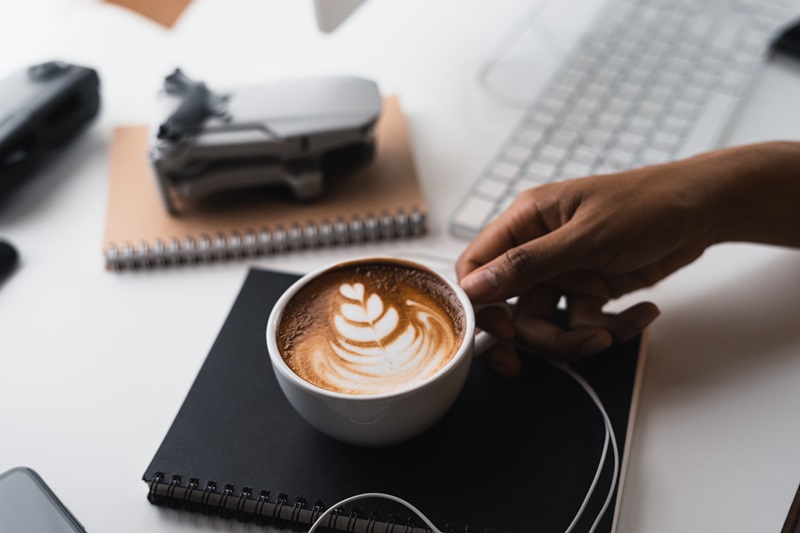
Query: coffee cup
x,y
374,350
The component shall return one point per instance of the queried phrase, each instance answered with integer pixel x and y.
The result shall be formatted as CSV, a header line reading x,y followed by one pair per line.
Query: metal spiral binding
x,y
277,515
222,507
280,513
295,523
188,504
210,489
316,511
172,502
152,495
260,517
205,249
352,520
333,518
241,515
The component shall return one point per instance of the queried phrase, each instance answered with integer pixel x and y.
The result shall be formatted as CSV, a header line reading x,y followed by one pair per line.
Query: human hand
x,y
589,240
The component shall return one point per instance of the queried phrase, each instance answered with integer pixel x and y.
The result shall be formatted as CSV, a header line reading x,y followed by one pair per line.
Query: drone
x,y
288,133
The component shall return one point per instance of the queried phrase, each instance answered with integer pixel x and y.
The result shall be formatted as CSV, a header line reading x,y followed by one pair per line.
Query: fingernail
x,y
646,317
598,343
479,284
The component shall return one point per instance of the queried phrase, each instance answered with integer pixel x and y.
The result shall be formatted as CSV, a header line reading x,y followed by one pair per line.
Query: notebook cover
x,y
136,214
792,523
511,455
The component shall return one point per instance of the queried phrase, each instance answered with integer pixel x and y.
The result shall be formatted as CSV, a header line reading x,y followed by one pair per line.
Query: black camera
x,y
42,108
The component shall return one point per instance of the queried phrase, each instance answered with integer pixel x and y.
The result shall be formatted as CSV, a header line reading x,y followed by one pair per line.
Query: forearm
x,y
756,194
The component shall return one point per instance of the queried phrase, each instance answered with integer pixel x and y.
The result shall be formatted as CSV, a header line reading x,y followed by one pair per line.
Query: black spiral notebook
x,y
510,456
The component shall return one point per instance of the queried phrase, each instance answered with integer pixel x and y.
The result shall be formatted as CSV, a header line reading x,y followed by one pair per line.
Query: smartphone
x,y
27,504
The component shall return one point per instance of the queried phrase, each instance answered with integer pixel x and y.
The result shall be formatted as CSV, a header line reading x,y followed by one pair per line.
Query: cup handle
x,y
484,341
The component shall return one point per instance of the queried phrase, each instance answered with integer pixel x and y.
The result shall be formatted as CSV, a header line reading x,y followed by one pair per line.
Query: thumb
x,y
522,267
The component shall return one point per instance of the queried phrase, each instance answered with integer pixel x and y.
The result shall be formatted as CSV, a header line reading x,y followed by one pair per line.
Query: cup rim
x,y
277,312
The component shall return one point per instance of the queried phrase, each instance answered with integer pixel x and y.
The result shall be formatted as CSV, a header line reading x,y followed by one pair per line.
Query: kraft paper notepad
x,y
164,12
378,201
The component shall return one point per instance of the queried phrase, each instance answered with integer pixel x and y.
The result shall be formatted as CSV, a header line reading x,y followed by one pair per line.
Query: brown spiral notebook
x,y
162,12
378,201
510,456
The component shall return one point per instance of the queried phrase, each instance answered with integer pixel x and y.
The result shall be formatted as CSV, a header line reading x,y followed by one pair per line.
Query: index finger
x,y
507,231
514,254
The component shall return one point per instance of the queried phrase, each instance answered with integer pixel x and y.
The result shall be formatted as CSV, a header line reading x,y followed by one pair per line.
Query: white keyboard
x,y
651,81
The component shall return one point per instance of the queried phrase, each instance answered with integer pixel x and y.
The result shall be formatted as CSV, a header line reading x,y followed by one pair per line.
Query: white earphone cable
x,y
609,437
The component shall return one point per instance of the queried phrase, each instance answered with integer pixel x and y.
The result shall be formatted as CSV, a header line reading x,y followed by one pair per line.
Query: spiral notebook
x,y
510,456
378,201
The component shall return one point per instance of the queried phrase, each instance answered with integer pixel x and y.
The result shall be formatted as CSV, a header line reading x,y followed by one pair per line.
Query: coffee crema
x,y
371,328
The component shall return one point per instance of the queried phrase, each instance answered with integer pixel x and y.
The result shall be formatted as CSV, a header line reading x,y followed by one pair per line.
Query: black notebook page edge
x,y
511,455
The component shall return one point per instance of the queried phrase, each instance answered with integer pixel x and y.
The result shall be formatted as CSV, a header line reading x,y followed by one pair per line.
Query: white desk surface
x,y
94,365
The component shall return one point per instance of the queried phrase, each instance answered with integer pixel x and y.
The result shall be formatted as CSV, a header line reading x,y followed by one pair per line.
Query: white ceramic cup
x,y
383,418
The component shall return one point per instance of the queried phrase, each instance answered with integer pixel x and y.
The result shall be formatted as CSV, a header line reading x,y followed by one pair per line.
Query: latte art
x,y
375,350
381,331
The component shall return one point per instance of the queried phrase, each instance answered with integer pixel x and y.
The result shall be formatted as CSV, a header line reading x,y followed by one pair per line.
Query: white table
x,y
95,364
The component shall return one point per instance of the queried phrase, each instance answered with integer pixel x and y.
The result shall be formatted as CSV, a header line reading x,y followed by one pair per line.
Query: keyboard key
x,y
708,126
632,139
652,155
530,136
504,171
553,152
598,137
522,185
649,110
642,123
518,153
491,189
665,140
609,121
563,138
574,169
724,37
620,158
699,26
473,214
675,124
540,170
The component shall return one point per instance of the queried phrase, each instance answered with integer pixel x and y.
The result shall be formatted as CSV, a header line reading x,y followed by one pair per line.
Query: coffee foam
x,y
371,328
